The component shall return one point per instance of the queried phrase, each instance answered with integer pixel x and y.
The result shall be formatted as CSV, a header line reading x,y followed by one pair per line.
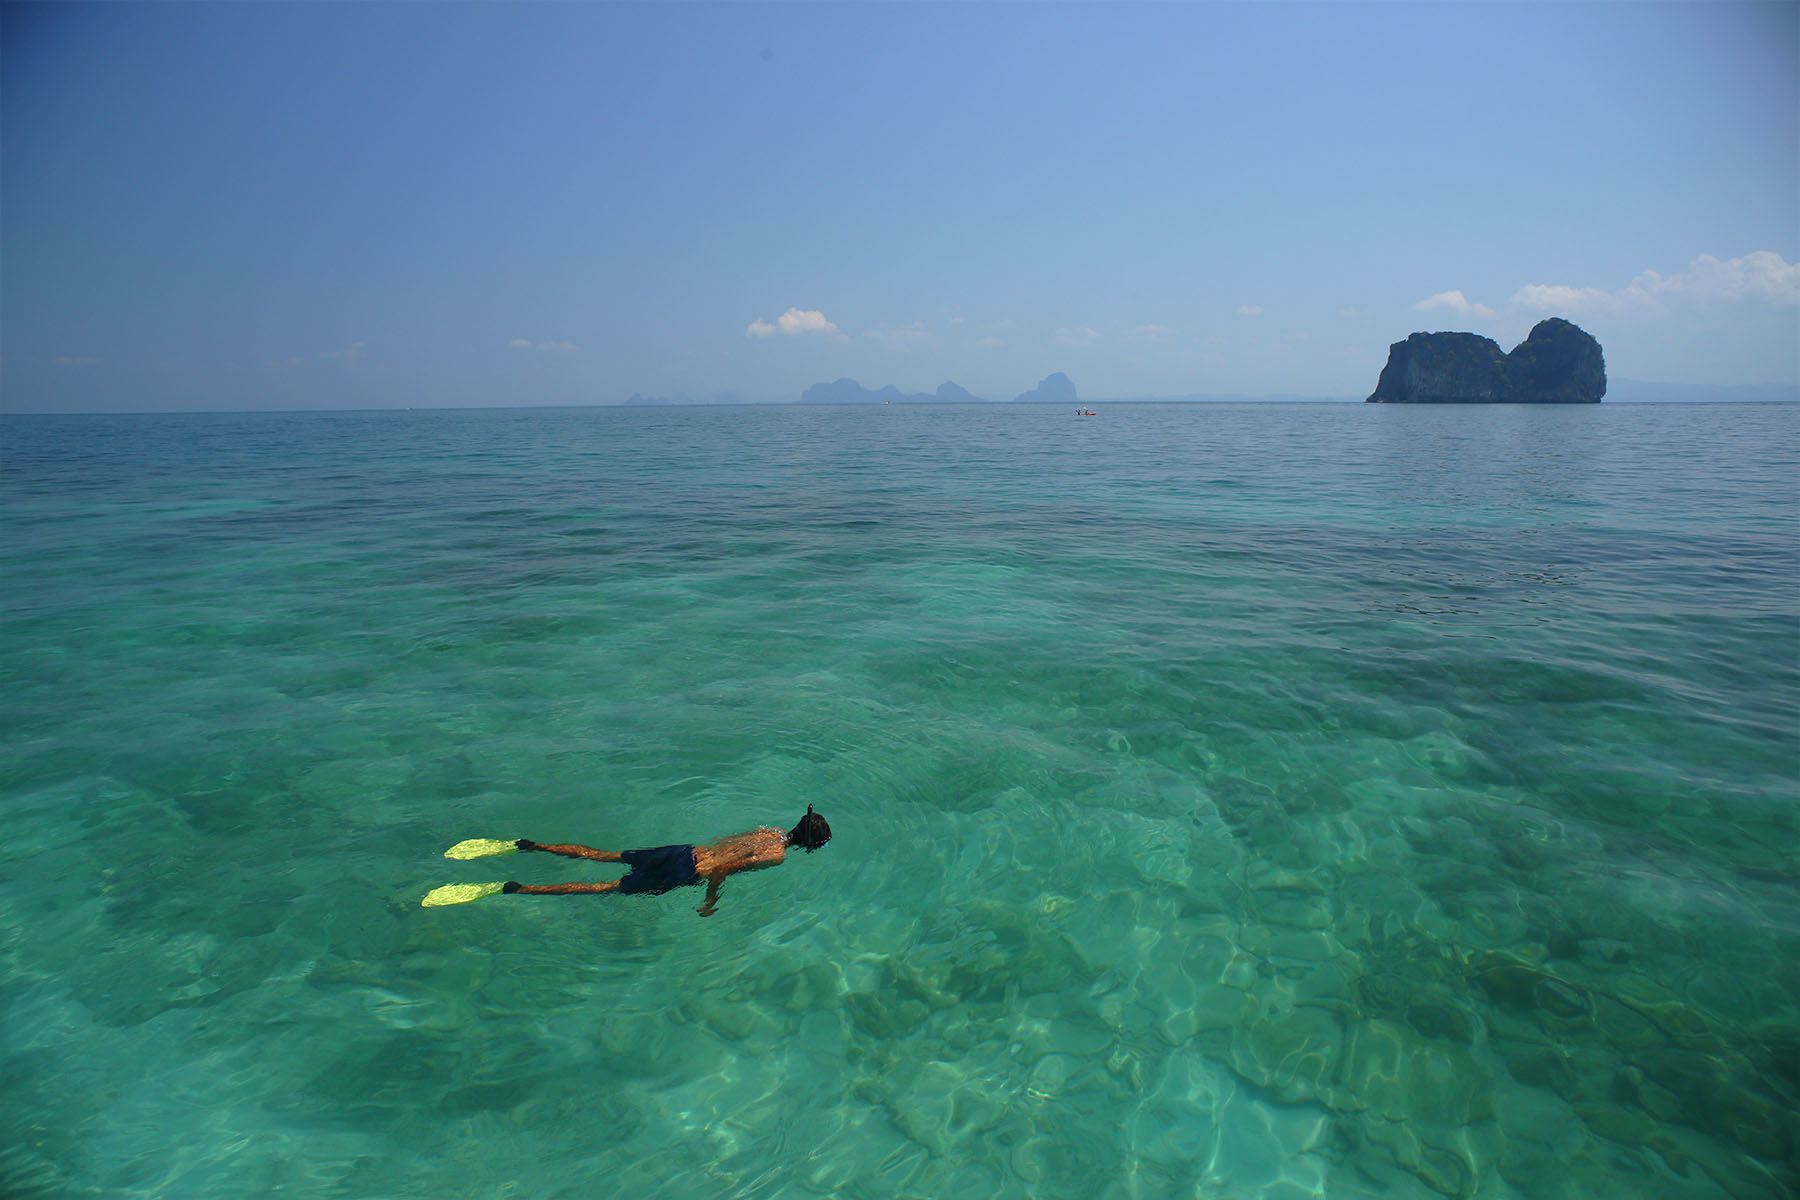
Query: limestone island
x,y
848,391
1055,388
1559,363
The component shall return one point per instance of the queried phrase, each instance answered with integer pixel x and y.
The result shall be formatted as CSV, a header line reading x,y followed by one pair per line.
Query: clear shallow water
x,y
1240,801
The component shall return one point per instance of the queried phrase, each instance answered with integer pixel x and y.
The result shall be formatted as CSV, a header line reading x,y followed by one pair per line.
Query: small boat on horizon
x,y
1086,412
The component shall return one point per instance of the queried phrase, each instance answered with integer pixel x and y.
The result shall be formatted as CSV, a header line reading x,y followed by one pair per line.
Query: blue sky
x,y
343,205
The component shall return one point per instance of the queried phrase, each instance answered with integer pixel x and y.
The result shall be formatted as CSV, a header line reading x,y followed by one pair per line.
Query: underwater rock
x,y
1390,1072
1627,1126
1442,1021
944,1110
1508,982
1446,1171
1623,1026
1521,986
1724,1100
1678,1020
1383,993
1294,1053
1443,754
1295,911
1536,1064
1219,1007
1561,999
883,1016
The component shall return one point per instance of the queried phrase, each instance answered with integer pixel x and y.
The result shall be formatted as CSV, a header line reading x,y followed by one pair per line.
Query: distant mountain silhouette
x,y
1052,389
848,391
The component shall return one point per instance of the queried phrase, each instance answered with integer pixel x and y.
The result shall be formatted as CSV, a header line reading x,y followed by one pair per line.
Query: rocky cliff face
x,y
1443,368
1558,364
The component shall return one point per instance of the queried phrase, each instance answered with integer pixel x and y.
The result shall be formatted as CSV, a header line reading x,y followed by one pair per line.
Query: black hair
x,y
811,833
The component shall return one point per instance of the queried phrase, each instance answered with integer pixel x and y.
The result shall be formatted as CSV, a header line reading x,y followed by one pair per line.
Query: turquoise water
x,y
1254,801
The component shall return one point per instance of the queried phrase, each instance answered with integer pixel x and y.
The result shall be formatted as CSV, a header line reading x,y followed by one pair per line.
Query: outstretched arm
x,y
570,851
711,902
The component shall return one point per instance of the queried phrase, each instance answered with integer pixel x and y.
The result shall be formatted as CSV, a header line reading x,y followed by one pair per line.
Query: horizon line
x,y
1220,398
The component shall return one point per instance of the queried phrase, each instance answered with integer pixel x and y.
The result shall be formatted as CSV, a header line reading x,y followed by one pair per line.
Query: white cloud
x,y
1152,332
1761,275
1249,310
528,344
794,322
1456,302
1079,335
990,342
353,350
1556,297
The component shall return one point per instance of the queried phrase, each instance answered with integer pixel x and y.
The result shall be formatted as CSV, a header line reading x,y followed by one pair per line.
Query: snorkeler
x,y
653,872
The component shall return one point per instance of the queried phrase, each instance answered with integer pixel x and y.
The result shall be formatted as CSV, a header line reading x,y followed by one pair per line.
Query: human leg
x,y
559,889
570,851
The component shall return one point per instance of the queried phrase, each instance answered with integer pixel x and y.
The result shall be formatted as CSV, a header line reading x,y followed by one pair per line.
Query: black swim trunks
x,y
659,870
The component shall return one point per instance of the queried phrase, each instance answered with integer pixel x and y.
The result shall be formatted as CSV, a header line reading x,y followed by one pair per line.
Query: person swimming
x,y
664,868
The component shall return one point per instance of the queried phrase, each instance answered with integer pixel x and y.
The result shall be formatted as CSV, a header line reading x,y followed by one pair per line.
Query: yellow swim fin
x,y
480,848
459,893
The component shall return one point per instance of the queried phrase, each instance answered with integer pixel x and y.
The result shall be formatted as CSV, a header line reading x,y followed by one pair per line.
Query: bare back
x,y
752,851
